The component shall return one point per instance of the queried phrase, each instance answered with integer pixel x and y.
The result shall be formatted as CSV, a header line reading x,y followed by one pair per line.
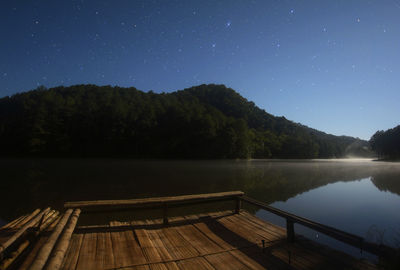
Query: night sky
x,y
331,65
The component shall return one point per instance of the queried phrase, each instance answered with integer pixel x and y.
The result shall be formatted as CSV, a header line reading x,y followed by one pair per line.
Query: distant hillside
x,y
206,121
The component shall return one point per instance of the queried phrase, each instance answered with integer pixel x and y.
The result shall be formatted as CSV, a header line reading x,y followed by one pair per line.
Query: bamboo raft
x,y
47,239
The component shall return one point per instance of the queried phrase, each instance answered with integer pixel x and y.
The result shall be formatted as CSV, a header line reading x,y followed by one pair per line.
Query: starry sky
x,y
332,65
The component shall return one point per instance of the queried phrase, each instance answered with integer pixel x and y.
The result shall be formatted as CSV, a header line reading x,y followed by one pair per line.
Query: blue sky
x,y
331,65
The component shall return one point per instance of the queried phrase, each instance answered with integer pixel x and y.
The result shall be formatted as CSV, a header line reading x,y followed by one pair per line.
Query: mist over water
x,y
356,195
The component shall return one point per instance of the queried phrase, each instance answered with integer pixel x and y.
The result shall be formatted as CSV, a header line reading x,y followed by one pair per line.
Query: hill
x,y
206,121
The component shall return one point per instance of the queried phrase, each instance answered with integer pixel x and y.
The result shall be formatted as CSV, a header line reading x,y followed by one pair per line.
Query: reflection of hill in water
x,y
281,181
28,184
387,181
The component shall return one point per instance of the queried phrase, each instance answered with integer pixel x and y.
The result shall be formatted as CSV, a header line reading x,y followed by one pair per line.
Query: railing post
x,y
165,214
289,230
238,205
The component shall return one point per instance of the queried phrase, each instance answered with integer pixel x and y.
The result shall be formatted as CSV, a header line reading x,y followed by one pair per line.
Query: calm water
x,y
358,196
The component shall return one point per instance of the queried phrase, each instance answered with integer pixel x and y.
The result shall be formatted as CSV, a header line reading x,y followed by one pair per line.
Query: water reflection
x,y
387,181
357,207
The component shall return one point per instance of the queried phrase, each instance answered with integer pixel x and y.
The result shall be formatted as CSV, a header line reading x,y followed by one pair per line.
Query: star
x,y
213,45
292,11
228,24
358,20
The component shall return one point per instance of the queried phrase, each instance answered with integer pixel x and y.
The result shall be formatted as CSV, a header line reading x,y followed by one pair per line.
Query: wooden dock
x,y
219,240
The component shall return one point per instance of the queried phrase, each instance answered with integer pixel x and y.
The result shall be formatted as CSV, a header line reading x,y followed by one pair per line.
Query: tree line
x,y
387,143
206,121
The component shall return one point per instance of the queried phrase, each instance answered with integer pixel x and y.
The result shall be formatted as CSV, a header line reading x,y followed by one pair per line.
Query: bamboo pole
x,y
60,250
18,222
51,216
27,219
21,231
45,250
12,223
8,261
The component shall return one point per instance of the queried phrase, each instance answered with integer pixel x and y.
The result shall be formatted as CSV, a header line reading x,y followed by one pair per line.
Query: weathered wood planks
x,y
219,240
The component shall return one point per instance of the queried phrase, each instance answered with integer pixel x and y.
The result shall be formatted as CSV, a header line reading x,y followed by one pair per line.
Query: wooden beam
x,y
238,205
157,202
165,214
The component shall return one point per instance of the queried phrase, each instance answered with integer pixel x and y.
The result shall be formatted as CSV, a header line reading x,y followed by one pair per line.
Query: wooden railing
x,y
163,203
348,238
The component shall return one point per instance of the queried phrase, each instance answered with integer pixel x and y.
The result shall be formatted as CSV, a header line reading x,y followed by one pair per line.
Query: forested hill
x,y
387,143
206,121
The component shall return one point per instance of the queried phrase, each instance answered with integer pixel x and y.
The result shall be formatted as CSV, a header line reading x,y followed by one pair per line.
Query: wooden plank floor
x,y
210,241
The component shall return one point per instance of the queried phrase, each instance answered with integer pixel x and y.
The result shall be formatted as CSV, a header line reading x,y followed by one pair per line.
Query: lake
x,y
358,196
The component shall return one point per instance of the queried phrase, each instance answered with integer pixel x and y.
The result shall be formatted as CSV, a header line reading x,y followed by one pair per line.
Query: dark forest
x,y
206,121
387,143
